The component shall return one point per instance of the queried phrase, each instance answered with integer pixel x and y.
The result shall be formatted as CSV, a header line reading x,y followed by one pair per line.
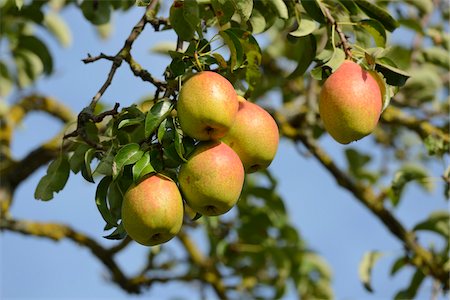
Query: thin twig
x,y
337,28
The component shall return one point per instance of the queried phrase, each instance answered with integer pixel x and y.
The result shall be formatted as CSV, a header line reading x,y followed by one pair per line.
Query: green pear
x,y
152,210
212,178
207,106
350,103
254,136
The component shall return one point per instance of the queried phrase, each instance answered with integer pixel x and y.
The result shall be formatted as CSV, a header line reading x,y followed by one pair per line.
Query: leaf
x,y
96,12
118,234
307,52
54,181
438,222
323,71
365,268
244,8
142,167
19,4
130,122
127,155
36,46
411,291
350,6
77,159
156,115
314,10
192,15
403,176
398,264
376,30
58,27
305,27
86,170
258,22
377,13
6,82
224,10
281,8
105,165
236,50
182,27
437,56
392,75
101,200
178,141
357,162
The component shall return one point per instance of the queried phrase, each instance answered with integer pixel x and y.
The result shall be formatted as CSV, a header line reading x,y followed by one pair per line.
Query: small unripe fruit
x,y
350,103
207,106
152,210
212,178
254,136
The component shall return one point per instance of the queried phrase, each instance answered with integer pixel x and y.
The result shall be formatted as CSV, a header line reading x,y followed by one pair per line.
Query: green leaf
x,y
36,46
105,165
127,155
142,167
54,181
438,222
96,12
180,24
437,56
58,27
280,8
118,234
156,115
178,141
350,6
398,264
258,22
376,30
224,10
365,268
192,15
393,75
305,27
101,200
357,162
314,10
6,82
306,53
323,71
130,122
244,8
411,291
377,13
405,175
236,50
86,170
77,159
19,4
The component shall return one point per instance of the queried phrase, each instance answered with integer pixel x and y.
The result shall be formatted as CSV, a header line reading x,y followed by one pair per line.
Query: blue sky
x,y
328,217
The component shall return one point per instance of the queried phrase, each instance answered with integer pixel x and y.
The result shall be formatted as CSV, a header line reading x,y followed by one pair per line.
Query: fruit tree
x,y
180,149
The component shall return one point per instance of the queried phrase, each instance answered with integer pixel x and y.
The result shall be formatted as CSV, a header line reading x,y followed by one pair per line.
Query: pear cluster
x,y
234,137
350,103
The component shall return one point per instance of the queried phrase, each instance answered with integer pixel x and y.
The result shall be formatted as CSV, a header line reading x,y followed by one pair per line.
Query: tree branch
x,y
337,28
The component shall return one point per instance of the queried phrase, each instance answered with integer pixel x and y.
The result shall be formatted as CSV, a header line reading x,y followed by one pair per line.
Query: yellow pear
x,y
207,106
211,180
152,210
254,136
350,103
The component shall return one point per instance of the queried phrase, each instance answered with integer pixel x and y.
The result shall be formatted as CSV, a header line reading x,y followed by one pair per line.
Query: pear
x,y
350,103
207,106
152,210
212,178
254,136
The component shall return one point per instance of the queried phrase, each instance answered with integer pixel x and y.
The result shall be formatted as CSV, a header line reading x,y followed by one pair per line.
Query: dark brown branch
x,y
337,28
91,59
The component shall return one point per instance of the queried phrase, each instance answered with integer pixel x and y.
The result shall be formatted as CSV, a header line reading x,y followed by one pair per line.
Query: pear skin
x,y
254,136
350,103
152,210
212,178
207,106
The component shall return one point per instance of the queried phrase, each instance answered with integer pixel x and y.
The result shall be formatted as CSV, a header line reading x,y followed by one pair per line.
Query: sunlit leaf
x,y
376,30
365,268
236,50
142,167
128,154
306,26
438,222
58,27
156,115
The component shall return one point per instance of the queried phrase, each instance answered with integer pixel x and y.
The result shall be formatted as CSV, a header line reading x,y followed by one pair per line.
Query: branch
x,y
57,232
337,28
209,272
395,116
421,257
